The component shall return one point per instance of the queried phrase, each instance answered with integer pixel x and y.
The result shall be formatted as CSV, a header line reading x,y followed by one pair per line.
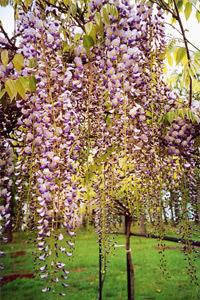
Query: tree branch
x,y
198,49
165,238
12,45
65,10
195,7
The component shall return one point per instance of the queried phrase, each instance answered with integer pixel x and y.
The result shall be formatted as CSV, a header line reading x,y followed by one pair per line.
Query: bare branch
x,y
65,10
198,49
12,45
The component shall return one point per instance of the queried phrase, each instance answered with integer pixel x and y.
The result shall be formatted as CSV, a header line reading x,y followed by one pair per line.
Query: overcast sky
x,y
7,18
192,29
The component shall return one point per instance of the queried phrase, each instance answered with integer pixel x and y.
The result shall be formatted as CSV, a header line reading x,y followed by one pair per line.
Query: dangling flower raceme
x,y
45,141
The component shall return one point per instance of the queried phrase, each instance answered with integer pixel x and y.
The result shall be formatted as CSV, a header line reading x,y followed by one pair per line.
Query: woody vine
x,y
88,121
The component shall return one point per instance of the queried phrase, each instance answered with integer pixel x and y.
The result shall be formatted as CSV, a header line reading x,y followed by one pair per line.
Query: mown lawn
x,y
150,283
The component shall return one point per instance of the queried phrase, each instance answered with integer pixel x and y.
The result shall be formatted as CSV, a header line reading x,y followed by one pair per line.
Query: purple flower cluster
x,y
6,183
48,128
132,97
179,136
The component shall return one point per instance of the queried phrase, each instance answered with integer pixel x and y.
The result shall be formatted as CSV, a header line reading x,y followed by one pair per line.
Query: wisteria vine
x,y
92,133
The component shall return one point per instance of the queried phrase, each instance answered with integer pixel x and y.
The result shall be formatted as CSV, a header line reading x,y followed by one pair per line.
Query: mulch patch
x,y
73,288
8,278
169,247
16,254
19,263
22,274
77,270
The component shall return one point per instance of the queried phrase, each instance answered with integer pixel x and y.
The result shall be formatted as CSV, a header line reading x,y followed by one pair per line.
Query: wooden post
x,y
171,201
130,269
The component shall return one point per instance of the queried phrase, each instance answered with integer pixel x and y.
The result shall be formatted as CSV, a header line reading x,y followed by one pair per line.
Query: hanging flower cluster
x,y
6,182
130,77
47,131
132,97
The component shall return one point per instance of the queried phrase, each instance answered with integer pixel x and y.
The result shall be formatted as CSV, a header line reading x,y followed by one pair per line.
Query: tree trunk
x,y
177,212
143,223
9,232
123,224
197,210
130,269
8,229
196,217
164,214
171,201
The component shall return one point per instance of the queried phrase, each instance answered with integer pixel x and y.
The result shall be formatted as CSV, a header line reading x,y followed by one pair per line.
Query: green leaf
x,y
97,18
32,83
25,83
4,57
88,42
181,112
148,113
170,60
33,63
88,27
66,2
4,103
173,20
91,30
2,93
179,4
6,2
191,116
20,89
170,116
66,47
113,11
197,55
18,62
106,95
188,10
99,23
198,16
181,52
194,68
73,9
11,88
185,77
26,4
105,16
172,46
77,37
108,6
193,1
197,142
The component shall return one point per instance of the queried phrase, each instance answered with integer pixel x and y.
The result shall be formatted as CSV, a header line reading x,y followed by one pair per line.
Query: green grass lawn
x,y
150,283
